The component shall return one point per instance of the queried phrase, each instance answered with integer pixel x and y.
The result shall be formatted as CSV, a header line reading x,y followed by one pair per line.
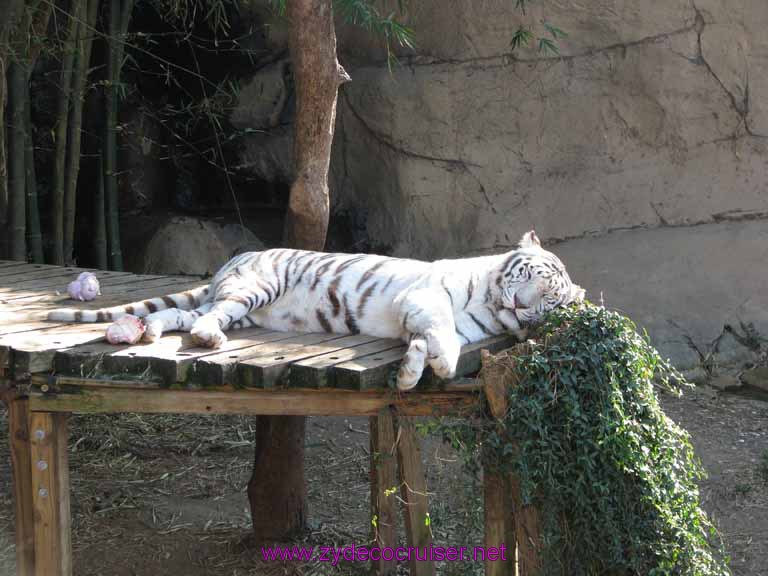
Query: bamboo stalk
x,y
84,41
34,237
125,20
38,14
3,161
60,158
100,232
11,11
119,14
17,81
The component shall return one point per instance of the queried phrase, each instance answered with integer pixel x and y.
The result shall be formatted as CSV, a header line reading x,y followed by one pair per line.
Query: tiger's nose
x,y
517,303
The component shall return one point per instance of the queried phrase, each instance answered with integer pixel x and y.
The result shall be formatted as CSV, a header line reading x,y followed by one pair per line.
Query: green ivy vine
x,y
614,478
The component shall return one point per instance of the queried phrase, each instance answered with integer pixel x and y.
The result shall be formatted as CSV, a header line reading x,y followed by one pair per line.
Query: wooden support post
x,y
18,420
499,523
527,533
383,478
413,491
50,494
499,512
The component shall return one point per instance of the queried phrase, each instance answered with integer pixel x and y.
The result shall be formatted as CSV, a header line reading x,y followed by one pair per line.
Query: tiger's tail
x,y
187,300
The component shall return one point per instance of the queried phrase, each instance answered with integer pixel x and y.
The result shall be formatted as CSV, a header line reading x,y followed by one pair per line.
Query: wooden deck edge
x,y
80,395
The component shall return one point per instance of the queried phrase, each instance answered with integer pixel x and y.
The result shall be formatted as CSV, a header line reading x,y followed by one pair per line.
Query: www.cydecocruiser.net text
x,y
353,553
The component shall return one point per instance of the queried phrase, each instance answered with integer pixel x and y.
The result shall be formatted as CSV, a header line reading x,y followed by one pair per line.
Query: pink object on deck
x,y
125,330
86,287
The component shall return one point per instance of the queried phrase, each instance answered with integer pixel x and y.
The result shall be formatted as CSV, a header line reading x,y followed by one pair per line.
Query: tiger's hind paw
x,y
153,331
206,333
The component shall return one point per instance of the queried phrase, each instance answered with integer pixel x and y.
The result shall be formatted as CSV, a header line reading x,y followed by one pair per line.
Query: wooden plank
x,y
11,315
380,369
17,325
9,280
109,286
169,359
317,371
383,479
372,371
12,263
50,494
85,360
20,267
221,369
18,434
34,351
413,491
272,366
53,283
127,397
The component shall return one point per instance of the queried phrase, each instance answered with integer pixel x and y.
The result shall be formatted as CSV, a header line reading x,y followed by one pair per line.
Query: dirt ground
x,y
166,494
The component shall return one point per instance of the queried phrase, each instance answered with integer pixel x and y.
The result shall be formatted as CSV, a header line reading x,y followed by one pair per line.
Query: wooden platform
x,y
49,369
252,358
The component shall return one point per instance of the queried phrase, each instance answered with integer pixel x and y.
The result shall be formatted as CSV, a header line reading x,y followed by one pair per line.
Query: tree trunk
x,y
317,77
276,490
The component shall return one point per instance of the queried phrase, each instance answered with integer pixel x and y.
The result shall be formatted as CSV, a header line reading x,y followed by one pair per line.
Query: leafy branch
x,y
547,41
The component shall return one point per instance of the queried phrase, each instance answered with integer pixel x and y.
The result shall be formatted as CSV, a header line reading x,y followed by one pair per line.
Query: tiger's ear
x,y
529,240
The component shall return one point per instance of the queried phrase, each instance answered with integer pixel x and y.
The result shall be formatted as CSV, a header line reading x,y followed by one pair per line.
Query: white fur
x,y
436,307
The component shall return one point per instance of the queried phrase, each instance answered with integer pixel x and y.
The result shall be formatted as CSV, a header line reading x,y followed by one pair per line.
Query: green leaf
x,y
555,31
522,37
547,46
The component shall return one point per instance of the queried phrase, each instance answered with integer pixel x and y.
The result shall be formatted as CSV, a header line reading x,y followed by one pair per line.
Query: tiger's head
x,y
533,281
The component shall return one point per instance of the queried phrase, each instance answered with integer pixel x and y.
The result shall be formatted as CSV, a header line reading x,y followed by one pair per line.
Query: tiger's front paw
x,y
413,364
206,333
443,353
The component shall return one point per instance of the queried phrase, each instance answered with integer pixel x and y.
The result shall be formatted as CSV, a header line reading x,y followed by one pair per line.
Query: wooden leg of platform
x,y
383,478
527,532
18,420
499,523
50,494
413,491
499,505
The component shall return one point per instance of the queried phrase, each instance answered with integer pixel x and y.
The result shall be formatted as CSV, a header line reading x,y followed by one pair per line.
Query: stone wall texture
x,y
639,153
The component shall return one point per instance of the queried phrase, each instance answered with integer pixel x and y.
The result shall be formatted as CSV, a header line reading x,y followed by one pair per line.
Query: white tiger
x,y
436,307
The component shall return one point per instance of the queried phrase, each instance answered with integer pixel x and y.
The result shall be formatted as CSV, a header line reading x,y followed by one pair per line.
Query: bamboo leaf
x,y
547,46
521,37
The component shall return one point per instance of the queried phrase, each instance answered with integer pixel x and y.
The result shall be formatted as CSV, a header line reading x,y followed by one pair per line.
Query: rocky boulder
x,y
186,245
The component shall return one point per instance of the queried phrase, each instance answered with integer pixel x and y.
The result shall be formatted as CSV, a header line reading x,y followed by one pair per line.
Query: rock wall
x,y
640,153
